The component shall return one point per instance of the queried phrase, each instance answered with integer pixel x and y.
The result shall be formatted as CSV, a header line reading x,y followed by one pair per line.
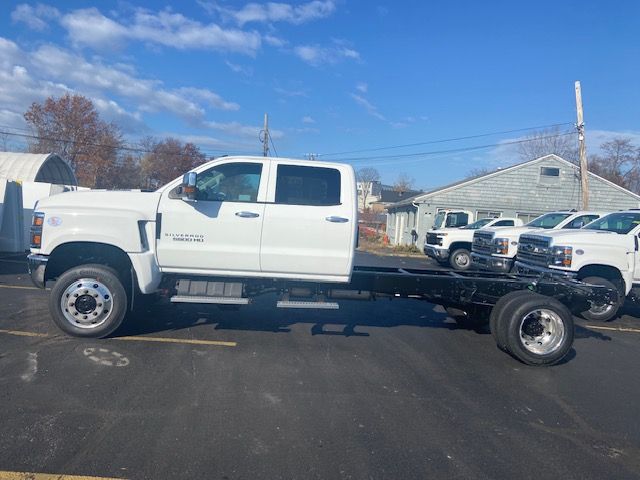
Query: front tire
x,y
602,313
460,259
88,301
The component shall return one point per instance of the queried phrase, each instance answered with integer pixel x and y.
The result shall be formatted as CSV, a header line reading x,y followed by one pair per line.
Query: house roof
x,y
392,196
36,167
471,180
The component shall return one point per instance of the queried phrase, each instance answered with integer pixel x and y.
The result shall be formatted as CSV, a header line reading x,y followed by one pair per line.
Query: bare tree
x,y
367,177
478,172
549,141
618,162
403,183
71,127
167,160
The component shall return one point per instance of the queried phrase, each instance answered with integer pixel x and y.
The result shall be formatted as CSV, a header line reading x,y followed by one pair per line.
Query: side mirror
x,y
188,186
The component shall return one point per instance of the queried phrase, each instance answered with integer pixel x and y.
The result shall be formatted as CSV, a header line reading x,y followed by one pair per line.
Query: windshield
x,y
437,223
622,222
478,224
548,220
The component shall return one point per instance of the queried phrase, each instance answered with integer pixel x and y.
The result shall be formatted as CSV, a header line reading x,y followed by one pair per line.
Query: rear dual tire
x,y
535,329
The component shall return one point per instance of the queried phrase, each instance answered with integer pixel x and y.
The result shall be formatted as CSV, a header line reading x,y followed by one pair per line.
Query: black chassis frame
x,y
440,287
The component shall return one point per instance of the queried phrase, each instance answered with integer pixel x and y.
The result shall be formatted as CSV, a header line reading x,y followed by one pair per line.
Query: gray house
x,y
525,190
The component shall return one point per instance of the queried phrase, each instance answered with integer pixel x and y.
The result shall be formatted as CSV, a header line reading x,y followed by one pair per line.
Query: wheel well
x,y
69,255
457,245
603,271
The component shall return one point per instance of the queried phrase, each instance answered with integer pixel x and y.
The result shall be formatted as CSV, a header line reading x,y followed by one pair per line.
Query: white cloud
x,y
118,93
240,130
370,108
317,55
362,87
36,18
307,119
272,12
89,27
274,41
244,70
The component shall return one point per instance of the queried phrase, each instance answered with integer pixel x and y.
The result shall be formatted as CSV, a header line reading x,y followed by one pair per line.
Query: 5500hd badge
x,y
185,237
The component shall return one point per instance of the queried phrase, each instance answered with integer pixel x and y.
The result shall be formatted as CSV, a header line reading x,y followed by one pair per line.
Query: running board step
x,y
300,304
205,299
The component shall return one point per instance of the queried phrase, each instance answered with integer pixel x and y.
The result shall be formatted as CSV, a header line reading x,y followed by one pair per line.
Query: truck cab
x,y
452,246
605,252
495,249
451,219
235,217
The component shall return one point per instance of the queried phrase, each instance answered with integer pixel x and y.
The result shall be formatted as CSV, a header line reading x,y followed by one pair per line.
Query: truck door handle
x,y
247,214
335,219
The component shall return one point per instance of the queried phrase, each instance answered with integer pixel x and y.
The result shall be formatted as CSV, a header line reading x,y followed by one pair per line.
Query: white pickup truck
x,y
495,249
453,245
239,227
605,252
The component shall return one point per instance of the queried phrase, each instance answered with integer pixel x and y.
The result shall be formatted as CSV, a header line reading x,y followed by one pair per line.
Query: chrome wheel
x,y
542,331
86,303
462,260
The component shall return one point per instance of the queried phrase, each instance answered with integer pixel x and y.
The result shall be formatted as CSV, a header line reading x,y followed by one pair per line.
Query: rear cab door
x,y
310,221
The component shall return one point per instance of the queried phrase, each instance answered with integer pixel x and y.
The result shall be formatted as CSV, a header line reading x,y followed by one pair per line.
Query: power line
x,y
123,147
454,150
445,140
273,146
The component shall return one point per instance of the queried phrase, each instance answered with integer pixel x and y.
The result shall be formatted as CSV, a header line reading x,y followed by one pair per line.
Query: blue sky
x,y
334,76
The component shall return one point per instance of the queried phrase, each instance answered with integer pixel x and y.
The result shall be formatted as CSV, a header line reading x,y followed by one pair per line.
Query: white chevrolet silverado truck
x,y
239,227
453,245
604,252
495,249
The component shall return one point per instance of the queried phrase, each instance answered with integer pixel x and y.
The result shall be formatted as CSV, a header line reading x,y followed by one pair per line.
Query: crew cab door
x,y
220,231
310,222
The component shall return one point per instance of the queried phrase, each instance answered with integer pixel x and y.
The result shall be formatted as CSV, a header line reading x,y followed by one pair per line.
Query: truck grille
x,y
433,239
534,249
482,242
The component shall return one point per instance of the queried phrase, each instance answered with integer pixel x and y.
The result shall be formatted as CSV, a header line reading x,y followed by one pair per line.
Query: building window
x,y
480,214
549,172
527,217
549,176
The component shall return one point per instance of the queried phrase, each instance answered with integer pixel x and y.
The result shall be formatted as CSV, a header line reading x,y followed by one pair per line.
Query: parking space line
x,y
614,329
5,475
21,287
23,334
187,341
178,340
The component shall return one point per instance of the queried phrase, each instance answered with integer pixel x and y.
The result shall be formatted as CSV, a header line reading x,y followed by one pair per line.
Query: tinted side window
x,y
581,221
231,182
296,185
504,223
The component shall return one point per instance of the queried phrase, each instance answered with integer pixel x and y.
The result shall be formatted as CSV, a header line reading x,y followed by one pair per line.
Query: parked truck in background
x,y
495,249
452,246
605,252
236,228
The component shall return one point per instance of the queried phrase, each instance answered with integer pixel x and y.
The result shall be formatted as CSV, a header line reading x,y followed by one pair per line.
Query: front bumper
x,y
489,262
440,254
528,269
37,266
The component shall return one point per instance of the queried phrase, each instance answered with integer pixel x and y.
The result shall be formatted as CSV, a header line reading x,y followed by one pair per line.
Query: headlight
x,y
561,256
37,221
501,246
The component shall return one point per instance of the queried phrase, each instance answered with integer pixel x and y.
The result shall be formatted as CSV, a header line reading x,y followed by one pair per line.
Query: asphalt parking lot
x,y
386,389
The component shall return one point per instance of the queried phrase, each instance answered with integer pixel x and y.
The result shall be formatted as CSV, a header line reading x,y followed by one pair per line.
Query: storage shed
x,y
36,167
525,190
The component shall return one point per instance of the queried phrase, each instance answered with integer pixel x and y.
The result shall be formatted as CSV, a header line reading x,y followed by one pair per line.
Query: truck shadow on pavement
x,y
263,316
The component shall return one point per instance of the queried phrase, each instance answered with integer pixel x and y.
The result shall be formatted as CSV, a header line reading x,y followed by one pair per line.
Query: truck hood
x,y
581,236
143,205
511,232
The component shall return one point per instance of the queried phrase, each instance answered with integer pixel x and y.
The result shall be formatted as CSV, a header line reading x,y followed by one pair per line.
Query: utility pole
x,y
265,136
584,182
